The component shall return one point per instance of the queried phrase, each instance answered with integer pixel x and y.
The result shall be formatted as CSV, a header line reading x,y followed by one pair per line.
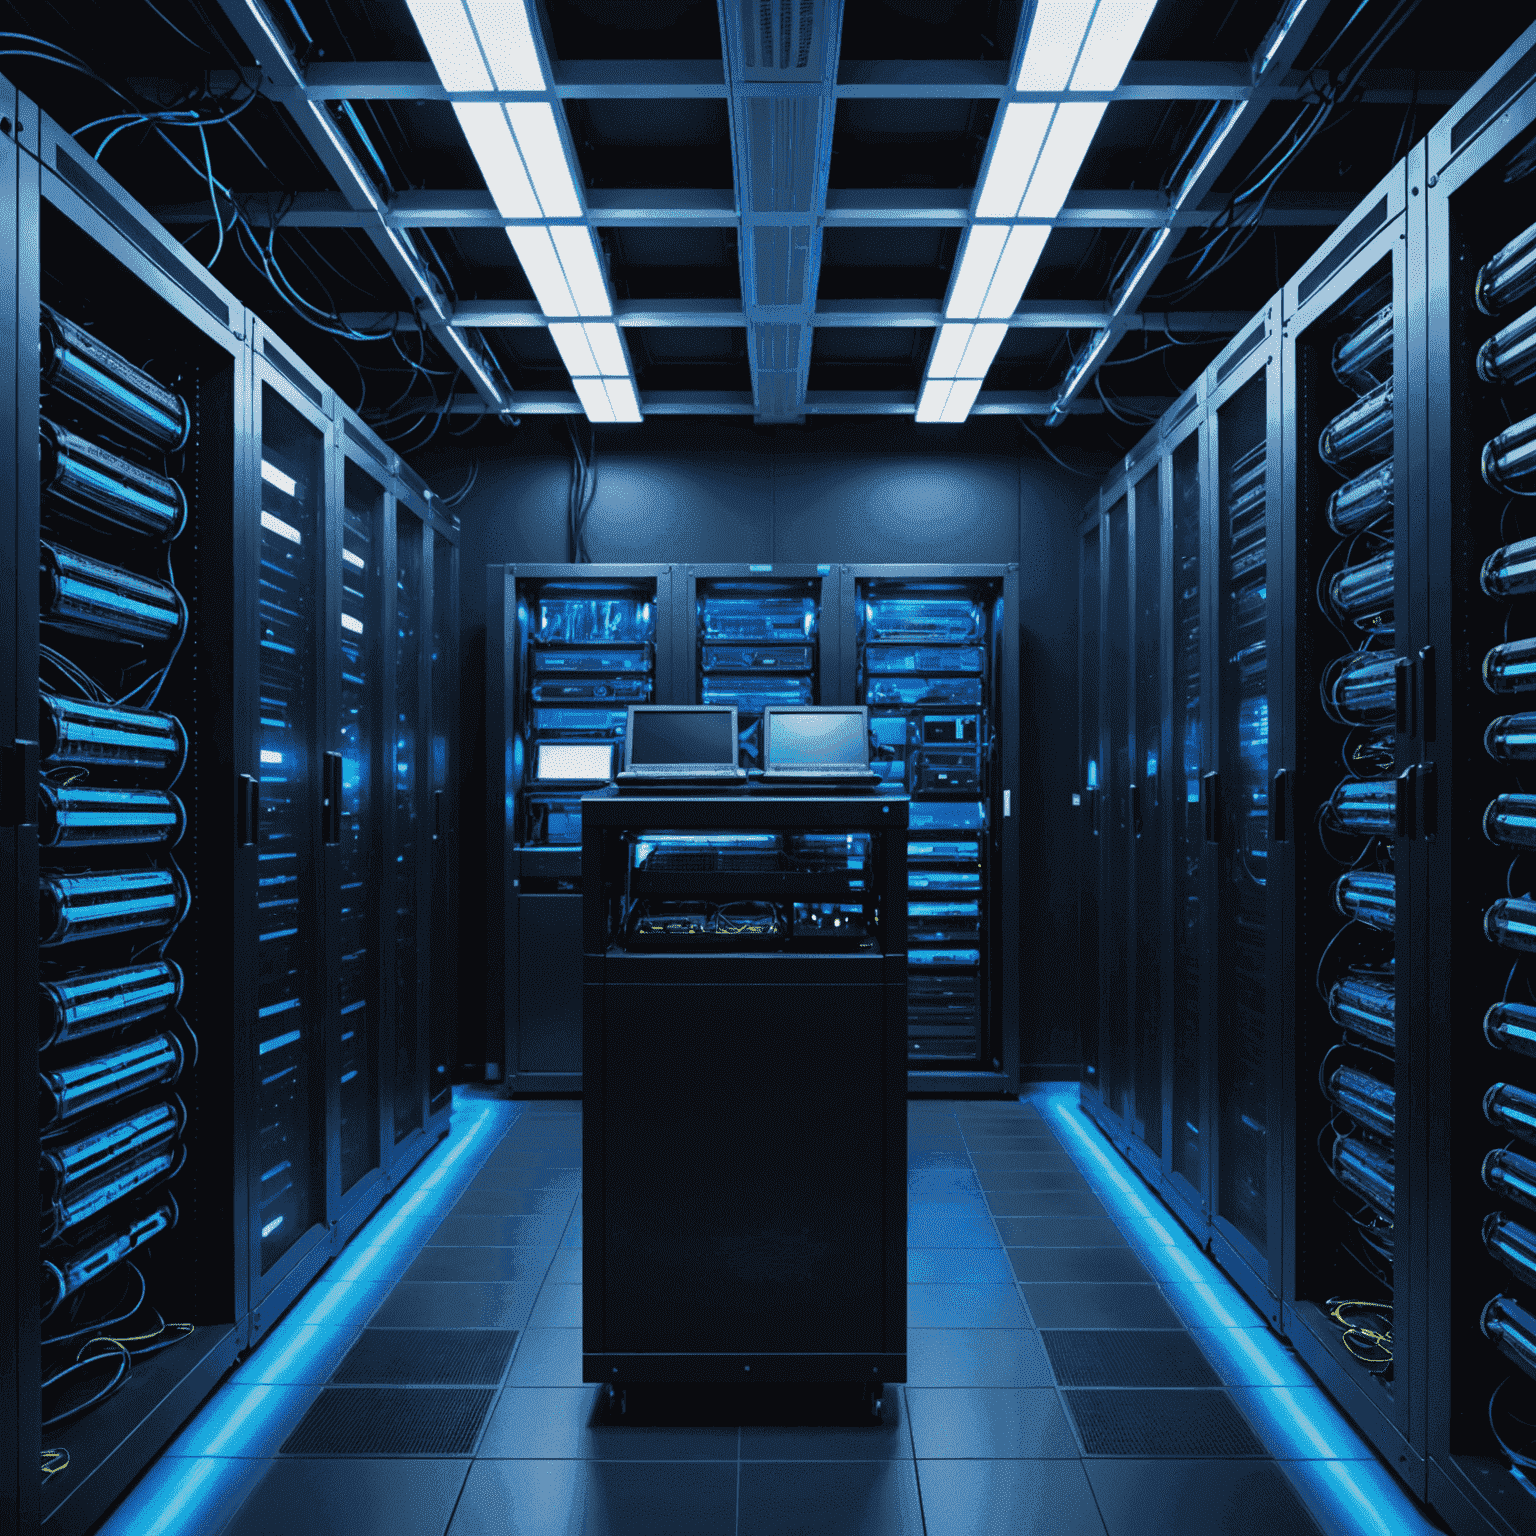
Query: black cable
x,y
111,1322
1087,474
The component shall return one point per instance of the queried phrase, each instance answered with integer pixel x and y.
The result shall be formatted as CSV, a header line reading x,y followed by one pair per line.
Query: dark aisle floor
x,y
1076,1366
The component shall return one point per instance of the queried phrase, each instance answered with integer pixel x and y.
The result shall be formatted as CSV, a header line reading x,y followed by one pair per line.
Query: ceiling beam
x,y
692,208
818,402
843,314
283,76
1272,82
930,79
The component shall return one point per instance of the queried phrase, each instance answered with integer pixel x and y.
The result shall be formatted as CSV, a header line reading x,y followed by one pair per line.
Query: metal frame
x,y
508,864
1393,1421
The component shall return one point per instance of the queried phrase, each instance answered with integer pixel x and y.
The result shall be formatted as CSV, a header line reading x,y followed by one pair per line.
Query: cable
x,y
111,1322
1087,474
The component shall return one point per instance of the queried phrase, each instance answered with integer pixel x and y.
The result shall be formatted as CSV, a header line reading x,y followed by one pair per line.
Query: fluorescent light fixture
x,y
1056,34
275,477
1078,45
570,339
280,53
1229,121
538,137
473,364
930,403
541,266
1015,152
1072,131
962,396
623,400
980,350
1015,267
594,399
480,45
608,350
973,272
490,140
1276,36
948,348
1075,377
1112,38
576,245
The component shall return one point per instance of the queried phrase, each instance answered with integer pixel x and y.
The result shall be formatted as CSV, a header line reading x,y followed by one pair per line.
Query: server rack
x,y
767,931
1473,402
597,638
933,651
1350,740
193,1230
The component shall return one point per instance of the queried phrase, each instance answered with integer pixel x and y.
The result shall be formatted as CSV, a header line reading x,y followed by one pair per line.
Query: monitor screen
x,y
658,735
570,761
816,738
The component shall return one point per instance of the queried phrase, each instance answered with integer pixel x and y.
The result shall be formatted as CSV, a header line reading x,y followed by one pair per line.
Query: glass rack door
x,y
406,786
1090,754
357,909
1114,961
288,1157
444,690
1189,1139
1146,816
1239,818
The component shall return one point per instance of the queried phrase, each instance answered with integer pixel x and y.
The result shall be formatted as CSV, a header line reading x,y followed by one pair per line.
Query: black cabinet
x,y
728,943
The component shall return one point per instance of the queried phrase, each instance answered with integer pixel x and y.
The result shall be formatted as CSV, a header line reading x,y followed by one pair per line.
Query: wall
x,y
683,490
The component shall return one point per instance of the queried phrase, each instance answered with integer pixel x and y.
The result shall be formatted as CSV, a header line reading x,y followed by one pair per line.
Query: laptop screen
x,y
815,738
659,736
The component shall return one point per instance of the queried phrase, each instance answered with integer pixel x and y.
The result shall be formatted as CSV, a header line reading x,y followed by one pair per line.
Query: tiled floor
x,y
1075,1366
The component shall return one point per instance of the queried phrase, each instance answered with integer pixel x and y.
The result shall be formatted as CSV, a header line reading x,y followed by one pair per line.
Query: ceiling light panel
x,y
1015,150
1056,35
541,266
450,37
576,245
932,398
1072,131
1113,34
594,399
538,137
979,256
506,39
1014,269
948,348
490,140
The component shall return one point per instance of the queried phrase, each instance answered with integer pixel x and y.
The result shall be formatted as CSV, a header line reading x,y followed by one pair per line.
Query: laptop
x,y
683,746
817,745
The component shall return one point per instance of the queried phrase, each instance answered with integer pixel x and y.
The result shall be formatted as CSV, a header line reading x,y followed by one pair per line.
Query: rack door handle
x,y
437,814
1425,805
1135,810
331,799
1279,822
247,810
1402,678
1427,691
1210,805
1403,806
1091,805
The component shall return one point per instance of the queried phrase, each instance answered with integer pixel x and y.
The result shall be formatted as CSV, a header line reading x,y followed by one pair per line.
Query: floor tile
x,y
993,1423
958,1266
1091,1304
491,1199
1043,1202
566,1268
1127,1357
204,1492
457,1304
853,1498
352,1497
558,1306
965,1306
1016,1178
306,1354
1060,1231
1197,1498
466,1263
597,1498
927,1230
884,1441
943,1184
499,1231
550,1423
924,1158
976,1357
1010,1498
537,1201
547,1357
1108,1265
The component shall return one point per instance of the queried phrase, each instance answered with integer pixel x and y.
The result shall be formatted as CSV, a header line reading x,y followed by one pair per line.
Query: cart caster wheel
x,y
617,1399
874,1401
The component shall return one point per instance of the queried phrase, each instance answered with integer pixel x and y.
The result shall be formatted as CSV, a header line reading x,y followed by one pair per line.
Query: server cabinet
x,y
934,653
1141,764
764,931
1473,691
756,635
568,649
443,1002
203,700
1345,821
